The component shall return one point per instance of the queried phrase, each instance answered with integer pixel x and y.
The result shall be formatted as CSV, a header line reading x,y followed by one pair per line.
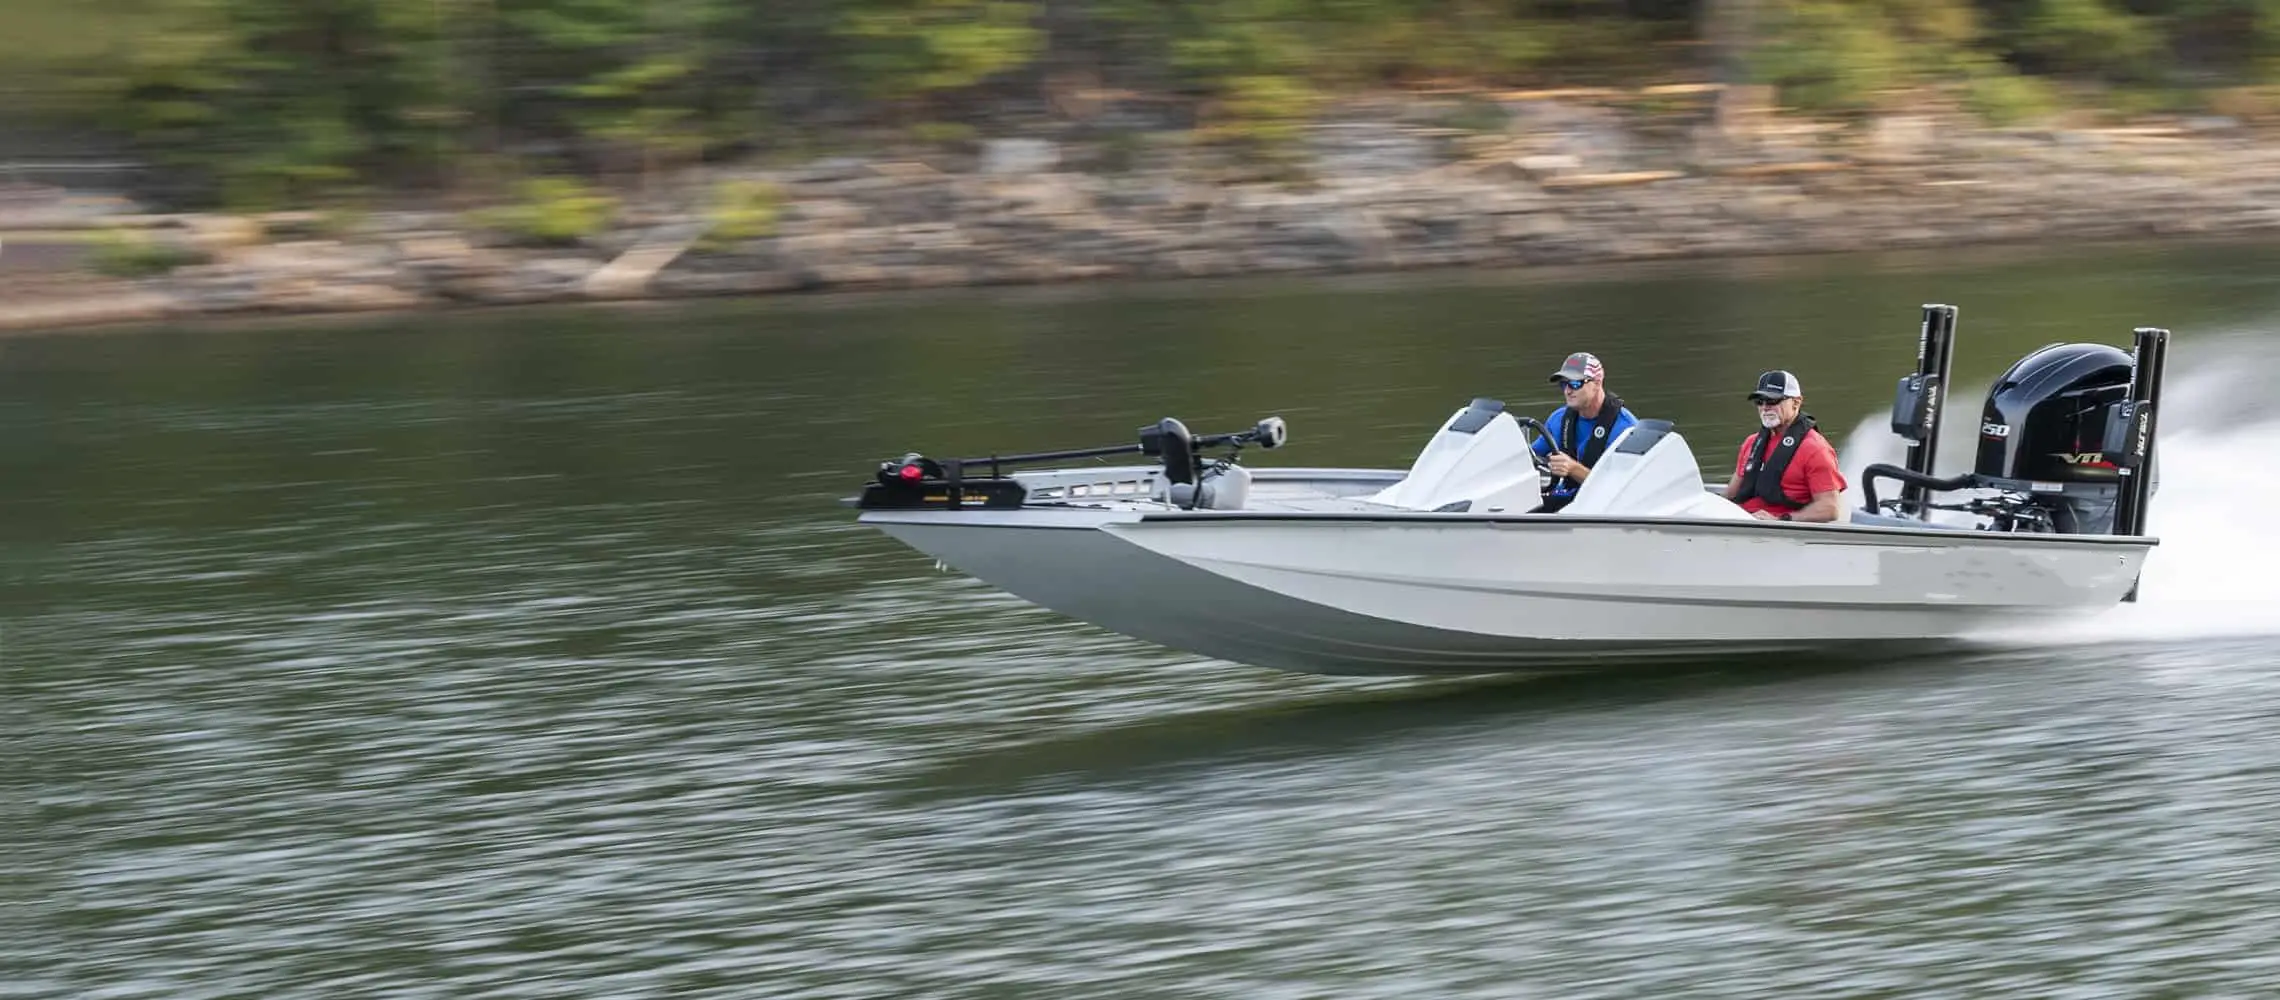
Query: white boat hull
x,y
1410,593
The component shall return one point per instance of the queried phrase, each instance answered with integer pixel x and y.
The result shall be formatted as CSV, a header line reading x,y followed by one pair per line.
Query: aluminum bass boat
x,y
1448,566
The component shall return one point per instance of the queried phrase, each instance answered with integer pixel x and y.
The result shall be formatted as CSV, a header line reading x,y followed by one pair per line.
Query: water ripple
x,y
426,679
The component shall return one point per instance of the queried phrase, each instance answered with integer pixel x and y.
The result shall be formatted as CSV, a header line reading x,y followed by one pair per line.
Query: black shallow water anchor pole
x,y
2129,440
1935,351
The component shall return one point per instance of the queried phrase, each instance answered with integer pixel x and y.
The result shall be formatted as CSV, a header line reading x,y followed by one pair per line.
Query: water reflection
x,y
1347,721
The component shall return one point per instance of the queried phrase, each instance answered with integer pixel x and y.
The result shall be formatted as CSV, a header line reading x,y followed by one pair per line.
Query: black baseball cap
x,y
1775,386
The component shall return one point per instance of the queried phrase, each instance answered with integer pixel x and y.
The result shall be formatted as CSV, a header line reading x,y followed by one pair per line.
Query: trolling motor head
x,y
1269,433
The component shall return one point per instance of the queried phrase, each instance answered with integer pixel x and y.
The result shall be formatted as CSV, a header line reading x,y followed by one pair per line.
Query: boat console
x,y
1482,459
2065,439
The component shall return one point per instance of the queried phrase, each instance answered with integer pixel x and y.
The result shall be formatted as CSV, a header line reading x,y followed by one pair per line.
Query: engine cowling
x,y
2046,420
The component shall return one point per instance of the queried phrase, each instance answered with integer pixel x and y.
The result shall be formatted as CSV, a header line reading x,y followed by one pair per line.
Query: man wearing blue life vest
x,y
1581,430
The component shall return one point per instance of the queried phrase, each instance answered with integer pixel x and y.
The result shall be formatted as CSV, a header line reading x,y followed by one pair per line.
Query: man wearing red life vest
x,y
1788,470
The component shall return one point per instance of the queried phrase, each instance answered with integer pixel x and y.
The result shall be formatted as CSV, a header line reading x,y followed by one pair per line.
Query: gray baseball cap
x,y
1582,366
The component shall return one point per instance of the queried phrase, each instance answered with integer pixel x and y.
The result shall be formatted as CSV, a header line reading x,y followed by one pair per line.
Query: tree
x,y
915,50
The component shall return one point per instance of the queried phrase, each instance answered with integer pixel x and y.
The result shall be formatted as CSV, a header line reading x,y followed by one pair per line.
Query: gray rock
x,y
1001,157
1369,149
830,171
1541,165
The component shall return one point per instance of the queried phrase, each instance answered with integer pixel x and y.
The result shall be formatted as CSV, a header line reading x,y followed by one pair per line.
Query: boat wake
x,y
2216,573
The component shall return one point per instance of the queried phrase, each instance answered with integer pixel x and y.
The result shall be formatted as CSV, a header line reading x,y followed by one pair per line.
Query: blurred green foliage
x,y
551,211
741,210
2002,96
132,253
266,103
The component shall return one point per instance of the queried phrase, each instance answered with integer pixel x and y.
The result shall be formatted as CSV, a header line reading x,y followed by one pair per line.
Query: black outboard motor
x,y
2065,441
2043,433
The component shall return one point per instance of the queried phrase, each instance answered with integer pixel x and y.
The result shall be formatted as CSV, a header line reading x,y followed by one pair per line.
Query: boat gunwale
x,y
1537,521
1137,510
1114,516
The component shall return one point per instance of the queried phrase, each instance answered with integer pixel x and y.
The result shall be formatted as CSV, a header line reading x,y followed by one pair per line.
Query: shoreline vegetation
x,y
364,156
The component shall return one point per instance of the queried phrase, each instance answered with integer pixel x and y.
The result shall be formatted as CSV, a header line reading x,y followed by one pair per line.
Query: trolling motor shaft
x,y
915,480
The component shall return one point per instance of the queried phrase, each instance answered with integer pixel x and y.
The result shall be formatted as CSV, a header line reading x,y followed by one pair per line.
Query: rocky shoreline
x,y
1560,183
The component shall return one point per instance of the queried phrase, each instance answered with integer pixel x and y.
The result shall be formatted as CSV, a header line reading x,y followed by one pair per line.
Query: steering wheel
x,y
1542,462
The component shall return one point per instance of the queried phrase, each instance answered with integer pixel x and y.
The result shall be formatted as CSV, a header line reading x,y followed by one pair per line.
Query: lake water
x,y
527,653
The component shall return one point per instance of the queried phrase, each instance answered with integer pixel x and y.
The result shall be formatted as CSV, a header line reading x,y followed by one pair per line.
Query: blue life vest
x,y
1585,440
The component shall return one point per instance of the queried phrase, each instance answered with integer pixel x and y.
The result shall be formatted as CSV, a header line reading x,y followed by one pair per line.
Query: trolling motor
x,y
915,481
2065,437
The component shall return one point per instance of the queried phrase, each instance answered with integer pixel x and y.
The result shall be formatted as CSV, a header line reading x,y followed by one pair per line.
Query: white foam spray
x,y
2216,573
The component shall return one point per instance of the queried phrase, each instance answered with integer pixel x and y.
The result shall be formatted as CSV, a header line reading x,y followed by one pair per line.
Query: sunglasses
x,y
1575,383
1762,401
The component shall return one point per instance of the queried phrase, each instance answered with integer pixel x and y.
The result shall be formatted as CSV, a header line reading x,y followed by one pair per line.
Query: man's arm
x,y
1824,508
1827,484
1559,462
1543,442
1733,490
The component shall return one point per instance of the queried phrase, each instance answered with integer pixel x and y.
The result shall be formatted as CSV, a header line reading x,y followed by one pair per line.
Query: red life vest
x,y
1769,461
